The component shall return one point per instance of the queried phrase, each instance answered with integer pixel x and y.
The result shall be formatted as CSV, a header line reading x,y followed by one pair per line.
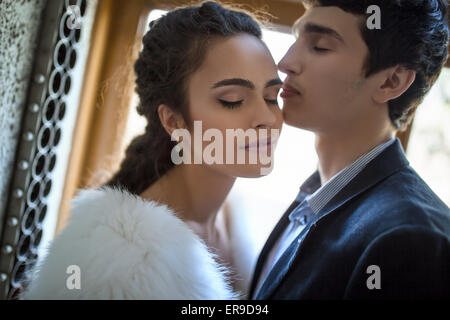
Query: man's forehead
x,y
329,17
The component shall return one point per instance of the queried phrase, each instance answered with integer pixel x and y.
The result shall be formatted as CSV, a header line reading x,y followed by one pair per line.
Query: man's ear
x,y
393,83
170,119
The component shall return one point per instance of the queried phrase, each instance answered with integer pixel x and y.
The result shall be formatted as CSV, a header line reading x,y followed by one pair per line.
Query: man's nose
x,y
290,64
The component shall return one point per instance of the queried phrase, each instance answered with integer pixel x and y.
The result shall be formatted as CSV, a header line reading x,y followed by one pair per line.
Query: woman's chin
x,y
253,170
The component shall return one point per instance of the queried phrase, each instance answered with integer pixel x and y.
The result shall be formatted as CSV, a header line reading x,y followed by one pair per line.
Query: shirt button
x,y
304,219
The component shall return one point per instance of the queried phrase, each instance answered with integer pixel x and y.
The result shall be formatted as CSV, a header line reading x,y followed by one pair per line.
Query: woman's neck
x,y
196,193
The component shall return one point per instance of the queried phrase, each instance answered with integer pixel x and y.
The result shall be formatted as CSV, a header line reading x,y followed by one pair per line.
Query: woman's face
x,y
235,88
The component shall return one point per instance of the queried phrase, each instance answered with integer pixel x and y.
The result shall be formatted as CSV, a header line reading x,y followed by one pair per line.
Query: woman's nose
x,y
264,116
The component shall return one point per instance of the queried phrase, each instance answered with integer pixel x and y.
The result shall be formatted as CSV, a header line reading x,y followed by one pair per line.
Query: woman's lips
x,y
289,91
258,145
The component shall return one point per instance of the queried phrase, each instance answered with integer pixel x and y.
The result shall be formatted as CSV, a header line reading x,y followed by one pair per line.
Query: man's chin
x,y
300,124
292,118
293,122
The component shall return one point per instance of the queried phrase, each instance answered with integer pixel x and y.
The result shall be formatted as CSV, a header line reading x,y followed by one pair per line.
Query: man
x,y
364,225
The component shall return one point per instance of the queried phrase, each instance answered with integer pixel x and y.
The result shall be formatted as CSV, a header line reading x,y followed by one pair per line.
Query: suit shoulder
x,y
405,199
408,187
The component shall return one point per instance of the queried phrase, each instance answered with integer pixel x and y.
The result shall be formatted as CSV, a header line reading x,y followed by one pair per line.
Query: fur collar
x,y
127,248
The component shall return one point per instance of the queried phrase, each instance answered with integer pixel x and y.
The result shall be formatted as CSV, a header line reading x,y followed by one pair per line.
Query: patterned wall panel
x,y
27,207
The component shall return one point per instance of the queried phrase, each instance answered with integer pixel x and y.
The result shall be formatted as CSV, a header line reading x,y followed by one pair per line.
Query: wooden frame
x,y
278,12
106,93
109,79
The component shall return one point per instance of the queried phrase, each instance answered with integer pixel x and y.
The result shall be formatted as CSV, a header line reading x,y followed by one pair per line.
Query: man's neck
x,y
338,151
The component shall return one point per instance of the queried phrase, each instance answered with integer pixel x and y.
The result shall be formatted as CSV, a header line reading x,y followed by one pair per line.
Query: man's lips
x,y
289,91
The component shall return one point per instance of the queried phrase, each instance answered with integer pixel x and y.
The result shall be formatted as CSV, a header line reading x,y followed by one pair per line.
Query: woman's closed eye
x,y
235,104
272,95
272,101
231,104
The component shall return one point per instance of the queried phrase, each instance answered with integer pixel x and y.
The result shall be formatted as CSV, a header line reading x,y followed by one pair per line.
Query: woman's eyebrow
x,y
234,82
274,82
244,83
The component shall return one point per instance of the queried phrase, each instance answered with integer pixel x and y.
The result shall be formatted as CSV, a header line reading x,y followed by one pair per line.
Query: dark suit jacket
x,y
386,216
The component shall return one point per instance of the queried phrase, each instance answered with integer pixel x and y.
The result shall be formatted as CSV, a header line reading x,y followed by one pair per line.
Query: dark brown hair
x,y
173,49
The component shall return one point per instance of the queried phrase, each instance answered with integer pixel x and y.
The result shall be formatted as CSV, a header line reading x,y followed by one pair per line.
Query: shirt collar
x,y
318,196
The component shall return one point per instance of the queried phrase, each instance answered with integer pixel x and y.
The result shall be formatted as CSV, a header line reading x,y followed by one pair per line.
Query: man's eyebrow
x,y
244,83
315,28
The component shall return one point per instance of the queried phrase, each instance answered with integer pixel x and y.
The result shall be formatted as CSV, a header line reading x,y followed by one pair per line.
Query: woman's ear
x,y
393,83
170,119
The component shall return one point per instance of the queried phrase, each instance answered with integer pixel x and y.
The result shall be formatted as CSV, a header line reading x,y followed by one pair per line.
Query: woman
x,y
152,231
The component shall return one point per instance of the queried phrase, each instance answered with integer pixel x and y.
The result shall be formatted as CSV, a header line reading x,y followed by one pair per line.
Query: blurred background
x,y
68,112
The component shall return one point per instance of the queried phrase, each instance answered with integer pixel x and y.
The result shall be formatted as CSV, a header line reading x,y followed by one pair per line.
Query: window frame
x,y
97,145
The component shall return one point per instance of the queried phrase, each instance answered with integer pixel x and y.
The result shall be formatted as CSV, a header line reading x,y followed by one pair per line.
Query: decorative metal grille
x,y
56,56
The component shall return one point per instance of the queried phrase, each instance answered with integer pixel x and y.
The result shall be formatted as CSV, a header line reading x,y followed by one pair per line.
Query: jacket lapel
x,y
275,234
279,270
385,164
388,162
308,187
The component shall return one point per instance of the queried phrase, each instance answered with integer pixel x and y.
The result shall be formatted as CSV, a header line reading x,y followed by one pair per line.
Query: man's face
x,y
325,88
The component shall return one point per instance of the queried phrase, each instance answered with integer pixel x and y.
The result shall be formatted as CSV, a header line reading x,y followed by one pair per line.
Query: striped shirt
x,y
313,203
324,194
